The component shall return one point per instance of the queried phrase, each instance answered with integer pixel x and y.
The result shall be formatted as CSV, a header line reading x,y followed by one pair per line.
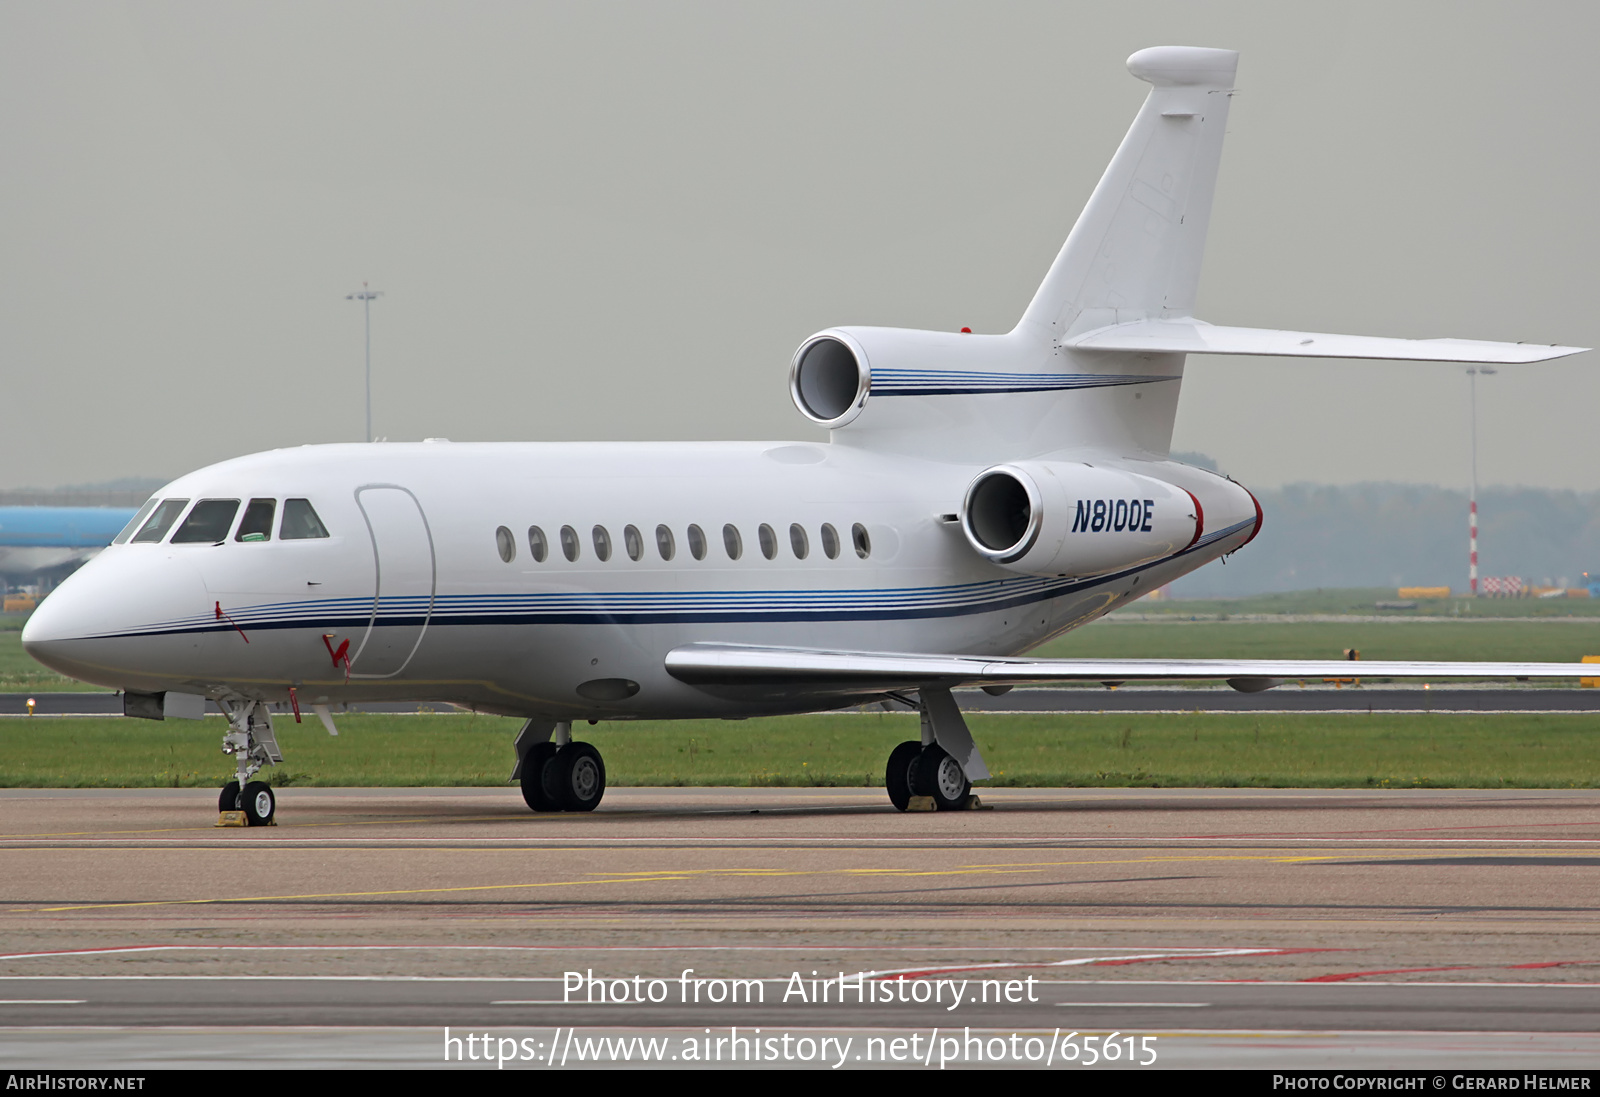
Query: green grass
x,y
1364,601
21,673
1539,641
1115,750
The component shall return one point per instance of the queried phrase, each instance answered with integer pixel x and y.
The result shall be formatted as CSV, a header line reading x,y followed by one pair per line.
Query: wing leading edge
x,y
803,669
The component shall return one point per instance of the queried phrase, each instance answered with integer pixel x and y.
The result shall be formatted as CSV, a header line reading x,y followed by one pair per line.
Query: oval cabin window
x,y
697,542
799,542
830,541
506,543
569,542
538,547
863,543
602,543
732,542
666,547
632,542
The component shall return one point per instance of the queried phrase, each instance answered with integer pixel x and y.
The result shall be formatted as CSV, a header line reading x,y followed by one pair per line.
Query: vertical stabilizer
x,y
1135,251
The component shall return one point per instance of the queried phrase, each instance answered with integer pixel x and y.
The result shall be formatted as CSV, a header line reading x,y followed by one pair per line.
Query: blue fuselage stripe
x,y
953,383
623,608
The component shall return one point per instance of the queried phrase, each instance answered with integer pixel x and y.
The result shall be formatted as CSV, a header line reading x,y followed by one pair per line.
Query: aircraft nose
x,y
86,627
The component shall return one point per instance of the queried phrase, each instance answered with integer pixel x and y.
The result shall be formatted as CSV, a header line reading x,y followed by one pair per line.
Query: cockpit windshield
x,y
208,523
300,522
138,520
257,523
161,521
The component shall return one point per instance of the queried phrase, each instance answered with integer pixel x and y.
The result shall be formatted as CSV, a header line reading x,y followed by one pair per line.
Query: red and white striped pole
x,y
1472,543
1472,516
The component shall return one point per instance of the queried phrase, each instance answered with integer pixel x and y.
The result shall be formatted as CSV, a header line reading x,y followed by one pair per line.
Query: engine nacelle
x,y
1060,518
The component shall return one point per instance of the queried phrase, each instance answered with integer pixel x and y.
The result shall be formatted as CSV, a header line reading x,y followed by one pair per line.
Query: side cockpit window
x,y
138,520
208,523
257,523
300,521
160,522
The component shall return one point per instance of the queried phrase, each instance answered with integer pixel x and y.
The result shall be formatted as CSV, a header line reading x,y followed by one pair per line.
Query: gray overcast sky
x,y
618,220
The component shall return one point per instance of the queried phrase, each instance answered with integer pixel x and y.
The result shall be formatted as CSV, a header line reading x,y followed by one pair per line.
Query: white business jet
x,y
980,494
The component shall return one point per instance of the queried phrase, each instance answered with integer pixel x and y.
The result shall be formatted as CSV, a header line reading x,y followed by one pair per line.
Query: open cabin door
x,y
405,579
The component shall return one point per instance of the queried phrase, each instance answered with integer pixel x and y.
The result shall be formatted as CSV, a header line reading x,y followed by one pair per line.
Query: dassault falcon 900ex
x,y
979,494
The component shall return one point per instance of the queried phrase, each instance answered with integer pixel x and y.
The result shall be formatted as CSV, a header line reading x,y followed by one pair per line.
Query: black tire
x,y
939,775
897,774
534,764
259,804
578,775
551,777
229,800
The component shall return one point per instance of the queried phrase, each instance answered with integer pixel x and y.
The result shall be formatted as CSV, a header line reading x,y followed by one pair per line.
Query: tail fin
x,y
1135,251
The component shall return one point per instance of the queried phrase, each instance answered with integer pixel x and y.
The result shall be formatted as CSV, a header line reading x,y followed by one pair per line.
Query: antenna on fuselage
x,y
366,297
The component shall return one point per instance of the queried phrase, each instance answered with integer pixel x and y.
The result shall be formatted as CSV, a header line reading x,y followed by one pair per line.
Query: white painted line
x,y
1316,987
1135,1005
923,972
288,979
1200,950
1302,983
43,1001
1069,841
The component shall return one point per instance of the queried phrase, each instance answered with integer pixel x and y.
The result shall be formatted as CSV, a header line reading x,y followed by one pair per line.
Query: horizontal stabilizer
x,y
1189,336
802,669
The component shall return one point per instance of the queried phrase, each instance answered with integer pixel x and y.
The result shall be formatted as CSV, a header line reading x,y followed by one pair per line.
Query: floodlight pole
x,y
1472,517
366,296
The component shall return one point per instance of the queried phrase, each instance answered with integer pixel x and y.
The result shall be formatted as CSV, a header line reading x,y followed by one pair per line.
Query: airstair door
x,y
405,579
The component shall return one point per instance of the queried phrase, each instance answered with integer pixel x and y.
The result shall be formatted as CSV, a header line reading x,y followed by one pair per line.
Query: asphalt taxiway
x,y
1244,927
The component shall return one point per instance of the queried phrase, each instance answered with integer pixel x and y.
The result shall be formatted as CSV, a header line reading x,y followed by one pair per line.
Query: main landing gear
x,y
556,773
251,742
917,770
942,764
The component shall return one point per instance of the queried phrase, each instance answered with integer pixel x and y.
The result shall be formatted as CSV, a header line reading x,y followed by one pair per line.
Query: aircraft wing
x,y
784,669
1186,335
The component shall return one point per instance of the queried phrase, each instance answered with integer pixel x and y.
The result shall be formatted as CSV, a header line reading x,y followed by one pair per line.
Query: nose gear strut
x,y
251,741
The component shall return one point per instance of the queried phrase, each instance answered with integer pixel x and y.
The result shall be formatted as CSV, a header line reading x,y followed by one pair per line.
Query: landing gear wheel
x,y
229,800
578,776
897,774
259,804
938,775
534,764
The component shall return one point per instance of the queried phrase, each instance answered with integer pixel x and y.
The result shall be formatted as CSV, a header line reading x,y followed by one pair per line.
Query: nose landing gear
x,y
253,745
260,805
556,773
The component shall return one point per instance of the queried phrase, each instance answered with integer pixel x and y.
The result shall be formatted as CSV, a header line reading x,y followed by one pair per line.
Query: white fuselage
x,y
412,575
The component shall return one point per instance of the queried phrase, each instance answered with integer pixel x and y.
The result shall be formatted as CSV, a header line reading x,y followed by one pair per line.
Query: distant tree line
x,y
1393,535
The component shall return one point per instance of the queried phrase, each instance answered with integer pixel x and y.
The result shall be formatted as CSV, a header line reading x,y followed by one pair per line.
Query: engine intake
x,y
830,379
1002,514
